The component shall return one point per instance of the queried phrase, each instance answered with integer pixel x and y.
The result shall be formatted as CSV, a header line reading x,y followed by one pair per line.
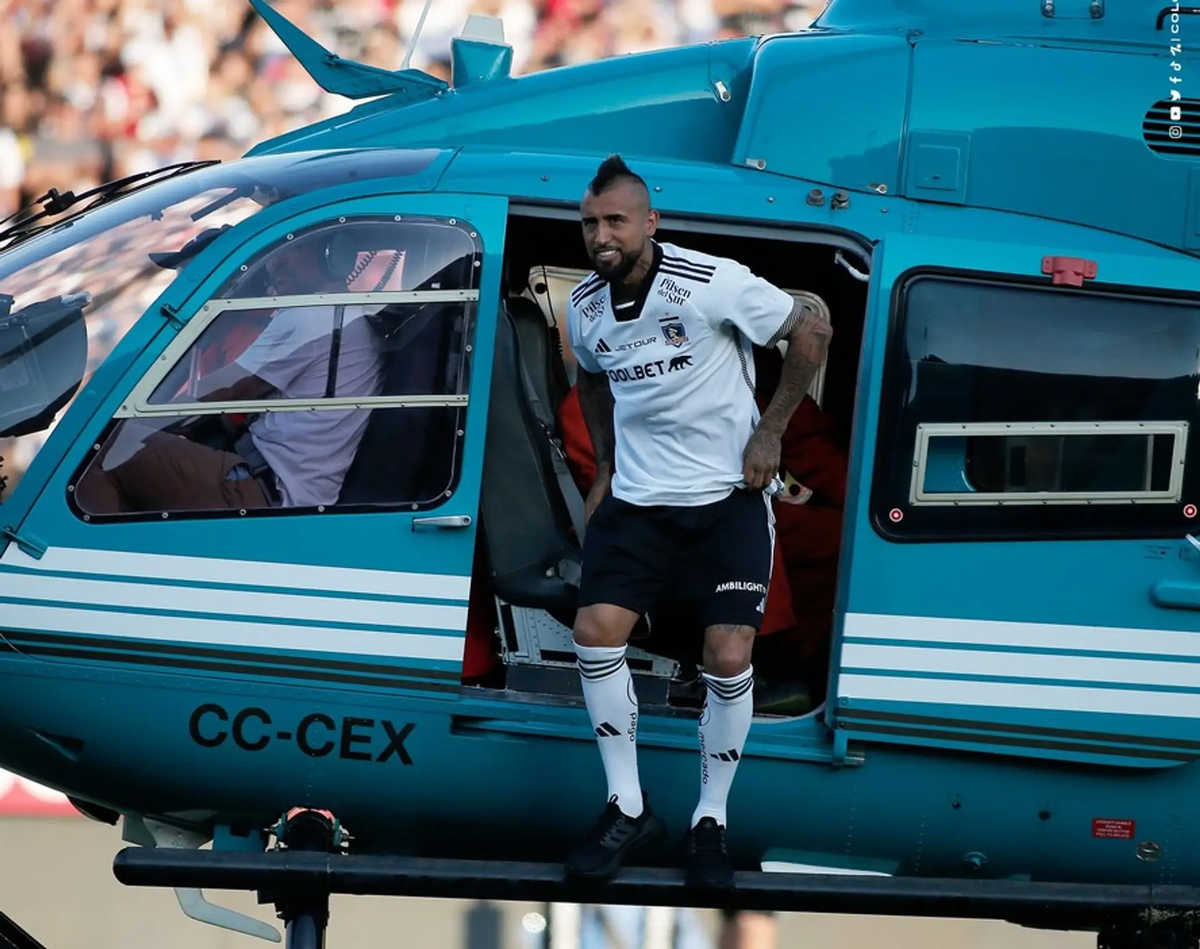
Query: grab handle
x,y
445,522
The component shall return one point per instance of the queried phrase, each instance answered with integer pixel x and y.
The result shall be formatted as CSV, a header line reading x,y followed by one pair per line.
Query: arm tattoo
x,y
808,332
596,402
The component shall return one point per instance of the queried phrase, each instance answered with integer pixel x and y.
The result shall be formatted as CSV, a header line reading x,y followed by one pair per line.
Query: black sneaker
x,y
708,863
613,838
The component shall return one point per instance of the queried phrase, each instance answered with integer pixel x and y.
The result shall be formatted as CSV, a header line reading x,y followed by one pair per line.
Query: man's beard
x,y
622,268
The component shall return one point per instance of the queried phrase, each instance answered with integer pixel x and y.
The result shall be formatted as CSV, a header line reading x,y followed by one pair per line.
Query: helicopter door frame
x,y
371,596
1056,623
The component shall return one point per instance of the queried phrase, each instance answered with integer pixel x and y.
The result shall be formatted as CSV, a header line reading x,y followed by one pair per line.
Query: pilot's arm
x,y
233,384
290,342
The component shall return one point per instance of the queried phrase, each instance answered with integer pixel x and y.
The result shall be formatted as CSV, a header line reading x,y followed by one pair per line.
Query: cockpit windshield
x,y
104,267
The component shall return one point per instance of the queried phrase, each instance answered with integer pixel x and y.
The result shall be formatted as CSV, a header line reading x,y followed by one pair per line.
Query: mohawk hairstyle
x,y
612,170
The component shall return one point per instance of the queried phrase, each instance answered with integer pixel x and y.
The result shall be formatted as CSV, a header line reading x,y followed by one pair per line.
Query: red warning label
x,y
1112,829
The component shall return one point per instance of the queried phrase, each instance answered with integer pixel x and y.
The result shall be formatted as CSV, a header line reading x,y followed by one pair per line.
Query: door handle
x,y
444,522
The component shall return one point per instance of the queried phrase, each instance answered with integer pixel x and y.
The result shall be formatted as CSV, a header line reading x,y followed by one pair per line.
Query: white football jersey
x,y
681,371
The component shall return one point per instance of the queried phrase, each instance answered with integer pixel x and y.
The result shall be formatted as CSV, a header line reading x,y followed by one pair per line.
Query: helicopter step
x,y
1125,916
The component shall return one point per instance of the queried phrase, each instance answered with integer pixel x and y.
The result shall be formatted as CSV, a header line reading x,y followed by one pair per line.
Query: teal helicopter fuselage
x,y
997,209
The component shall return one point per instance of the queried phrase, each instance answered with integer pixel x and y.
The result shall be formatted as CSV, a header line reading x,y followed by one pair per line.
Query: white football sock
x,y
612,704
724,725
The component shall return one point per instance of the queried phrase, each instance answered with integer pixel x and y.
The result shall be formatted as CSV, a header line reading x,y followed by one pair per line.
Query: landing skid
x,y
1121,914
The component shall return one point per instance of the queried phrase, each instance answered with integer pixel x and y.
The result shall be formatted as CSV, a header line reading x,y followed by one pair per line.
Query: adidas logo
x,y
602,347
731,755
606,731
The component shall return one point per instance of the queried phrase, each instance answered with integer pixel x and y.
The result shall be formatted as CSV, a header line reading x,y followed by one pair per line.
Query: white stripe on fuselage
x,y
232,572
1018,695
219,603
1048,637
227,632
874,665
83,592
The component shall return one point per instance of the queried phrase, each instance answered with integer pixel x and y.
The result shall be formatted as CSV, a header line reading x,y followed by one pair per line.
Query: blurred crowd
x,y
95,89
92,90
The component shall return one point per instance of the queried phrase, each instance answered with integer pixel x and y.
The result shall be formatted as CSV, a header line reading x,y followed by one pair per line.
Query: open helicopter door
x,y
316,531
1018,577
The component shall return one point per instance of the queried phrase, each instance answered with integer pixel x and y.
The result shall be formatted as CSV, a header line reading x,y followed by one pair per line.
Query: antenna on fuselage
x,y
412,44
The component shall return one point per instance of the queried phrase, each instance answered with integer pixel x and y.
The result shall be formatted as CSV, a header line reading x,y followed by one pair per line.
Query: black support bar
x,y
1043,905
13,936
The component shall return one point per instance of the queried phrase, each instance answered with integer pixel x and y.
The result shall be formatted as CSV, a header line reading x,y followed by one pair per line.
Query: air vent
x,y
1169,136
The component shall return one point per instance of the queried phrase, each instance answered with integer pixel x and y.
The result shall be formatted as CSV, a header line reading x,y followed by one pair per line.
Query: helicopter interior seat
x,y
529,504
407,454
391,462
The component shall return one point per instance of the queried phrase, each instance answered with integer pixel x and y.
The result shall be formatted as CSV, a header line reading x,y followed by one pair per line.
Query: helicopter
x,y
999,203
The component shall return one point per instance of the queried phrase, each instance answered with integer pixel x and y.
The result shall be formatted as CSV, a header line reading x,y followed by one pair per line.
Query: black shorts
x,y
713,561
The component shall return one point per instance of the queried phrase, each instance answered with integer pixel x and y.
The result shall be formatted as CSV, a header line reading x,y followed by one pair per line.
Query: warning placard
x,y
1112,828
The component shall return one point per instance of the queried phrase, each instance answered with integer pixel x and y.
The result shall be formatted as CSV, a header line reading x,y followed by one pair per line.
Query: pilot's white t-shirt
x,y
311,450
681,372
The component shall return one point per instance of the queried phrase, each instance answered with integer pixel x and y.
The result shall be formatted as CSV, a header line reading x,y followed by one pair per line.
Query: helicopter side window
x,y
329,373
1022,411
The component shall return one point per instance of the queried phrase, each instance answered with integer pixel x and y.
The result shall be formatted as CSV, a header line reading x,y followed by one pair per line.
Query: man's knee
x,y
603,624
727,650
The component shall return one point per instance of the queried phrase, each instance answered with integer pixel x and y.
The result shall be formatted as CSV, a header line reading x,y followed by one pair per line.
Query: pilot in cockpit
x,y
290,458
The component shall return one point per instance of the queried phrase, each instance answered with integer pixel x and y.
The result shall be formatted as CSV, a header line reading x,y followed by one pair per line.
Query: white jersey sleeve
x,y
756,307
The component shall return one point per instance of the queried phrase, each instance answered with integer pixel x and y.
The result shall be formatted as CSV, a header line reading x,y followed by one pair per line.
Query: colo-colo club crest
x,y
673,331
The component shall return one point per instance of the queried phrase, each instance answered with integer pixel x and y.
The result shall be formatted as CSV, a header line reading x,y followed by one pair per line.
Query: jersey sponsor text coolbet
x,y
679,364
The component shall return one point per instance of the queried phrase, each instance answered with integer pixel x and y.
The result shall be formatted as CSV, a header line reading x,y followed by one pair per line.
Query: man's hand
x,y
599,490
760,460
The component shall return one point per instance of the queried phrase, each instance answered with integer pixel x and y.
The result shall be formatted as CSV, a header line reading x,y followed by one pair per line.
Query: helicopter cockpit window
x,y
1033,411
329,372
115,259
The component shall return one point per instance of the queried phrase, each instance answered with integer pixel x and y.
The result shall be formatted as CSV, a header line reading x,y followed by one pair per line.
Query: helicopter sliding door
x,y
1019,578
285,486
